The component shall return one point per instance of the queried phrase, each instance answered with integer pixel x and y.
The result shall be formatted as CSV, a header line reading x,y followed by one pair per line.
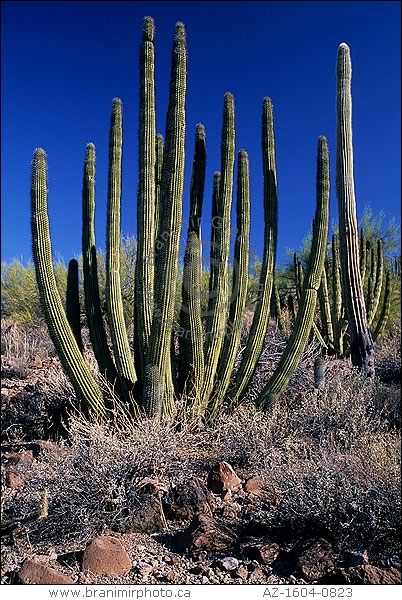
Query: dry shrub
x,y
20,344
334,459
97,480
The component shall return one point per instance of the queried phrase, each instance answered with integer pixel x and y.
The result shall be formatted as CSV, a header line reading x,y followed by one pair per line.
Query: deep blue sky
x,y
64,62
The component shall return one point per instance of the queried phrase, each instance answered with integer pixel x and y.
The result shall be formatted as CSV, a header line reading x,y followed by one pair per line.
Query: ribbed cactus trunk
x,y
220,247
377,282
146,214
385,308
96,326
191,331
261,315
158,181
114,301
325,310
239,287
278,309
305,315
361,343
158,361
84,384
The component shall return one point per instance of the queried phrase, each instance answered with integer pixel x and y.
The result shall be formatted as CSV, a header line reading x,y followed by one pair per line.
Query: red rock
x,y
105,555
223,479
316,558
371,575
363,575
36,573
255,486
12,459
13,480
267,553
54,450
188,499
205,533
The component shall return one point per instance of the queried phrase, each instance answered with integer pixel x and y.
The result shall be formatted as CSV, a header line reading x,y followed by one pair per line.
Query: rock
x,y
171,576
187,499
242,572
223,479
145,569
265,554
16,465
259,575
13,480
362,575
255,486
37,361
21,459
316,558
146,515
36,573
54,450
105,555
229,563
205,533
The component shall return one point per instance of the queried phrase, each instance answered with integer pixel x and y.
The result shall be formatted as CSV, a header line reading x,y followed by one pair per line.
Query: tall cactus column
x,y
191,333
239,286
361,343
261,316
158,356
220,239
122,352
96,325
146,221
305,315
60,332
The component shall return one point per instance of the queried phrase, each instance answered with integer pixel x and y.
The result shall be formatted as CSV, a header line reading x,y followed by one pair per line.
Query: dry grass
x,y
332,455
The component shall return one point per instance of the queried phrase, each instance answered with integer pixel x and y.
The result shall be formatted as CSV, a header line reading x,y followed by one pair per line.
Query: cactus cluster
x,y
194,358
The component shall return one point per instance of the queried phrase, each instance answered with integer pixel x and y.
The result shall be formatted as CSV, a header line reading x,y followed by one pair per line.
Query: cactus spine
x,y
361,343
306,312
158,354
84,384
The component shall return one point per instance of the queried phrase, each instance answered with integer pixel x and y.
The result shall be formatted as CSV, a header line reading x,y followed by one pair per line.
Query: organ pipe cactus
x,y
261,315
205,360
306,312
147,221
114,301
158,353
84,384
191,334
361,343
385,307
219,267
239,286
96,326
